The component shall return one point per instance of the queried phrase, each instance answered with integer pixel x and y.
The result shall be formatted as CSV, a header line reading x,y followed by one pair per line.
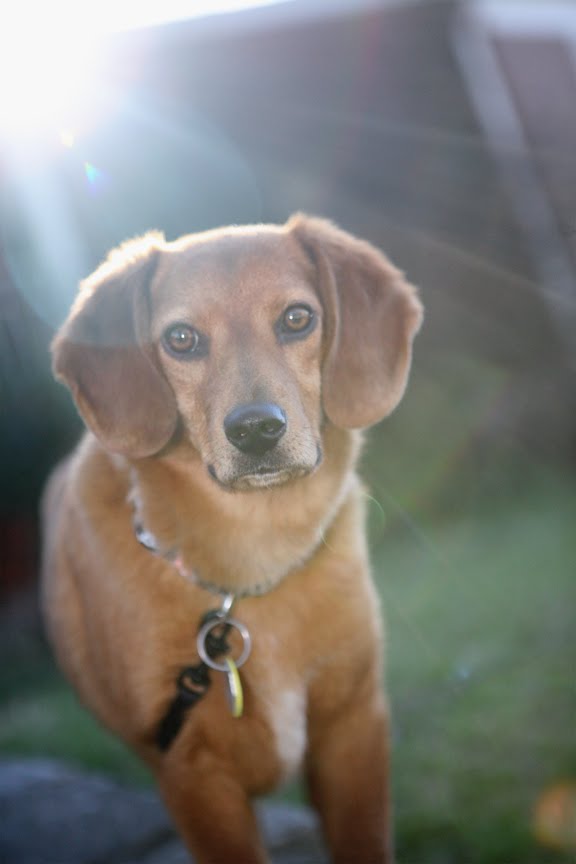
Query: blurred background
x,y
443,132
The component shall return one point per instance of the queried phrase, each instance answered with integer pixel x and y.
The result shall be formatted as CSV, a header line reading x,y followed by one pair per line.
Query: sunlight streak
x,y
52,55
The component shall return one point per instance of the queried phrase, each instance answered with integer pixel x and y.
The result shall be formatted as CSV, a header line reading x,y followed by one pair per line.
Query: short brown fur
x,y
123,621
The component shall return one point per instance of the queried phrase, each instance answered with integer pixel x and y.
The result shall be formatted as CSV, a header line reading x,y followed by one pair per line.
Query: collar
x,y
148,540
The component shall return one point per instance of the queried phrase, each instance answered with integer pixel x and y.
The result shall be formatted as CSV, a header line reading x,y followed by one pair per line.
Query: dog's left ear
x,y
371,316
101,354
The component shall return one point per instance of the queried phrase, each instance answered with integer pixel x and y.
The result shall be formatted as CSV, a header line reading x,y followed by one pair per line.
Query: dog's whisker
x,y
378,504
324,542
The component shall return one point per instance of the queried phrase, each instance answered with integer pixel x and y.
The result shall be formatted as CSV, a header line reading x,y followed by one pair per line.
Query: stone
x,y
51,813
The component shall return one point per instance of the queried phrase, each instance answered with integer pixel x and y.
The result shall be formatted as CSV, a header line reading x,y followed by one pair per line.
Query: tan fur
x,y
123,621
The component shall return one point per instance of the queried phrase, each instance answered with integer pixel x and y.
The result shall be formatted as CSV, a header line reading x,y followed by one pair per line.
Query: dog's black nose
x,y
256,427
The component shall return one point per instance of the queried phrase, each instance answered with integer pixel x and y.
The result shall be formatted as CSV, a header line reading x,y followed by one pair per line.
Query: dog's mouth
x,y
263,476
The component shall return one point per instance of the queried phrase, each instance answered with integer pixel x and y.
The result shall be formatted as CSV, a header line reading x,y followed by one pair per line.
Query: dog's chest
x,y
286,713
279,694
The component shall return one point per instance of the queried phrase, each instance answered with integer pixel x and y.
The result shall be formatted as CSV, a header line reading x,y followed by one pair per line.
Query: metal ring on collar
x,y
205,630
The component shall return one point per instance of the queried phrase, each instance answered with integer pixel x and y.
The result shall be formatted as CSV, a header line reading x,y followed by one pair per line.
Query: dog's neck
x,y
241,542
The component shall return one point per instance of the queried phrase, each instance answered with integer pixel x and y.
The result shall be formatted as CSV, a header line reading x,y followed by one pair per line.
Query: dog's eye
x,y
297,320
182,339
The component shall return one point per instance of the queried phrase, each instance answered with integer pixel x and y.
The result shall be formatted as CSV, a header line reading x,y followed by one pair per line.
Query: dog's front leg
x,y
347,772
211,811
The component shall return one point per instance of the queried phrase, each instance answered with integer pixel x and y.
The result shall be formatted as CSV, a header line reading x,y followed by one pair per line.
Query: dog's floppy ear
x,y
371,317
101,354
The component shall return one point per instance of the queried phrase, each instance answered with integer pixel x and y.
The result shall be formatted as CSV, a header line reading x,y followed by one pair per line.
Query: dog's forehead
x,y
231,266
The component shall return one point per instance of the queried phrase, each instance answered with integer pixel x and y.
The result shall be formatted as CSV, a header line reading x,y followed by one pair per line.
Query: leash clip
x,y
211,645
204,634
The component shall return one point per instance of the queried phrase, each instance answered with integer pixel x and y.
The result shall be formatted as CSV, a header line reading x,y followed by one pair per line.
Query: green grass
x,y
43,718
481,633
479,604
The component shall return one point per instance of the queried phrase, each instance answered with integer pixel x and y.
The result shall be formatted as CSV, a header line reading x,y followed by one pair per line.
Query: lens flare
x,y
52,54
47,60
92,173
555,816
67,138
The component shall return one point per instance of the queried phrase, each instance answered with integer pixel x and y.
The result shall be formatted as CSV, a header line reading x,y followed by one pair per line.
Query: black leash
x,y
192,684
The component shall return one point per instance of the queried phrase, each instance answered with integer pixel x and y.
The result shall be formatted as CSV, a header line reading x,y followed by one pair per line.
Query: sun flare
x,y
52,58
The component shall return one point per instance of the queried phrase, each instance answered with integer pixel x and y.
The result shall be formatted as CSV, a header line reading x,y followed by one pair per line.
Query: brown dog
x,y
221,377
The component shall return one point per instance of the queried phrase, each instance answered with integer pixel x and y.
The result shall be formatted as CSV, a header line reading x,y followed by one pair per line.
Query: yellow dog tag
x,y
234,685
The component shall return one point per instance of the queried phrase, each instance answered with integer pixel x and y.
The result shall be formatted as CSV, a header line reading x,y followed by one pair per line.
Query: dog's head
x,y
245,340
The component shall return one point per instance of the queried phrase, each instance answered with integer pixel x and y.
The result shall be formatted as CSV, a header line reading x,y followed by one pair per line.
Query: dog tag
x,y
234,688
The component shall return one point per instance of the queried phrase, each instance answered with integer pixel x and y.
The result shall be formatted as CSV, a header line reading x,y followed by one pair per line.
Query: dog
x,y
206,583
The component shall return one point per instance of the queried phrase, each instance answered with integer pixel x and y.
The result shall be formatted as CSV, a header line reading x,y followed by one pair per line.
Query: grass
x,y
43,718
480,619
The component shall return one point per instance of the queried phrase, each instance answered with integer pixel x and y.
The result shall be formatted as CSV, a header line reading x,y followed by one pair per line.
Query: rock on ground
x,y
53,814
